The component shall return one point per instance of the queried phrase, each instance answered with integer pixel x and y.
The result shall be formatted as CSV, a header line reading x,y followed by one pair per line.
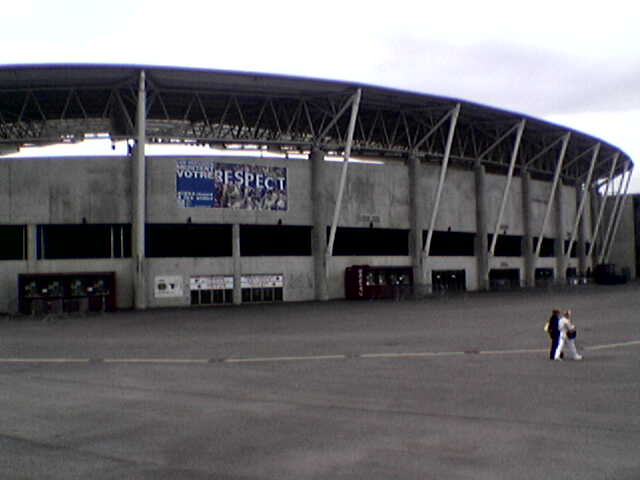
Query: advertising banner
x,y
208,184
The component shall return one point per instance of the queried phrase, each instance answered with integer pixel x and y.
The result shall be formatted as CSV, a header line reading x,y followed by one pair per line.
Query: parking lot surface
x,y
443,388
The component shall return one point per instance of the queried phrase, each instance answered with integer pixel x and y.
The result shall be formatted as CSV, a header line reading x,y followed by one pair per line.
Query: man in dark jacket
x,y
553,331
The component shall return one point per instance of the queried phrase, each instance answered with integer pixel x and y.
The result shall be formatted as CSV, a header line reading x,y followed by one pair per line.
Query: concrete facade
x,y
98,190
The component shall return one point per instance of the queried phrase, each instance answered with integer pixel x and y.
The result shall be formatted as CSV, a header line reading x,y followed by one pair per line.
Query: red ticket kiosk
x,y
51,293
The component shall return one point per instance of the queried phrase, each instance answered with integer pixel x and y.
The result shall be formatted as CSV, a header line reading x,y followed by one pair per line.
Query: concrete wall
x,y
34,191
98,190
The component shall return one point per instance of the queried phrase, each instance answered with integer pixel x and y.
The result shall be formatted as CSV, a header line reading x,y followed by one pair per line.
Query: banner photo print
x,y
229,185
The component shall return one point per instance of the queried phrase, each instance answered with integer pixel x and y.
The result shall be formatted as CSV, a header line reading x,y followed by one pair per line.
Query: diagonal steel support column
x,y
603,203
507,187
436,127
499,140
554,187
443,174
607,236
618,217
341,112
585,194
345,165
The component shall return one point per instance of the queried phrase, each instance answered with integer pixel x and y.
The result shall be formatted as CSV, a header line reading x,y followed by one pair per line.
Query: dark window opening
x,y
370,241
574,248
451,244
507,245
13,242
547,249
190,240
83,241
275,240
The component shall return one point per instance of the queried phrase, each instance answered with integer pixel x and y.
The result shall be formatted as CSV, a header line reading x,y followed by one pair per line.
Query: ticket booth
x,y
52,293
367,282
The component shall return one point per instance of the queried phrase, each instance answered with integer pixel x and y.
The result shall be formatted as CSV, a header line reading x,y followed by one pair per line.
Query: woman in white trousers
x,y
567,338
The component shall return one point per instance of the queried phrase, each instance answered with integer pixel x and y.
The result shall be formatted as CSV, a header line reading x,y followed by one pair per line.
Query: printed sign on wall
x,y
211,282
168,286
204,183
262,281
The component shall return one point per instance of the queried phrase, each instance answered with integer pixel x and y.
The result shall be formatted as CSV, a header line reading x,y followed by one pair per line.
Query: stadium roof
x,y
45,104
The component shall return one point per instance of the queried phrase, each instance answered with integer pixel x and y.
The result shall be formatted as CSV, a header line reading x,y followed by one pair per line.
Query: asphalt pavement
x,y
443,388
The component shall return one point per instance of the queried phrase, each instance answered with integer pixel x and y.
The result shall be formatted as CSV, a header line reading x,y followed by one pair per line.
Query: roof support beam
x,y
614,214
443,173
337,116
499,140
554,186
618,217
603,203
585,194
507,187
543,151
578,157
355,104
453,112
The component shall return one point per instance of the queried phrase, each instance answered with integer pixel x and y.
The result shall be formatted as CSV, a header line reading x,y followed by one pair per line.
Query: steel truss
x,y
389,125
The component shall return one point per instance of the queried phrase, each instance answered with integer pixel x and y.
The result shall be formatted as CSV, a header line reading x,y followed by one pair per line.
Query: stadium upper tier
x,y
46,104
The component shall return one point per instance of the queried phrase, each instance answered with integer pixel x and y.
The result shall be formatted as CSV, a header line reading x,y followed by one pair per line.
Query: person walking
x,y
566,338
552,330
570,342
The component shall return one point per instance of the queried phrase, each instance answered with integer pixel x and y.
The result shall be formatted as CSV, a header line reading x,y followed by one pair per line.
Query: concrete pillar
x,y
527,239
319,239
237,264
138,195
32,247
482,243
416,225
561,260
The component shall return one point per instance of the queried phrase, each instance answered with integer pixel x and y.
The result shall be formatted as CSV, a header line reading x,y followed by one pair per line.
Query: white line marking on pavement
x,y
45,360
202,361
284,359
613,345
508,352
410,355
156,360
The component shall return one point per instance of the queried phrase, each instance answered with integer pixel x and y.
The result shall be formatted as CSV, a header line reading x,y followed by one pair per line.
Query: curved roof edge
x,y
49,103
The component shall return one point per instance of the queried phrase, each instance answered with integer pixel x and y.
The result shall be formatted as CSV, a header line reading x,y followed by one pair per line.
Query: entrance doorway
x,y
504,278
444,281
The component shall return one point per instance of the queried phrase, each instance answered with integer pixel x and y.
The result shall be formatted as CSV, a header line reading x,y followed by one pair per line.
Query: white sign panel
x,y
262,281
211,282
168,286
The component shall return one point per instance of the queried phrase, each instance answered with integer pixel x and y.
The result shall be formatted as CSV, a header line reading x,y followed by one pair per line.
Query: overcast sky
x,y
573,62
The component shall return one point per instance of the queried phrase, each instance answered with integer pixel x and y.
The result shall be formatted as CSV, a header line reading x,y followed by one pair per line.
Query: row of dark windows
x,y
203,240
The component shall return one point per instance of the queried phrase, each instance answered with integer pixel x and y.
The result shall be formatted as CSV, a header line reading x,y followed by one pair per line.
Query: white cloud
x,y
575,61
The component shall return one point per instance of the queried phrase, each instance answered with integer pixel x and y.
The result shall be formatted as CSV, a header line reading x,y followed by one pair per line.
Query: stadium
x,y
307,190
